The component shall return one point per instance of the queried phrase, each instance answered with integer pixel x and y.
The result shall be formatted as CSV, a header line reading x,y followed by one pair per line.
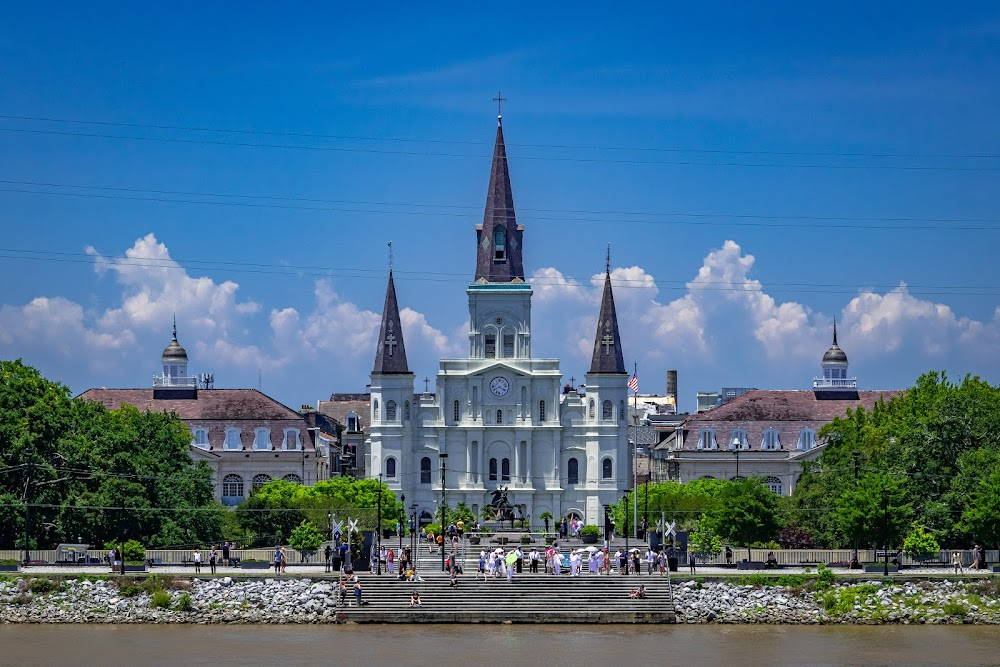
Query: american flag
x,y
633,384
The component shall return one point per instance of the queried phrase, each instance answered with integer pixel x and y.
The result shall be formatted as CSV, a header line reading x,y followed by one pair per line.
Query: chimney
x,y
672,390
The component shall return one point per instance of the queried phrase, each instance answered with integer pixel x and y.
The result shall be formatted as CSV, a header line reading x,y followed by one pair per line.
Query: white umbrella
x,y
498,550
635,551
588,550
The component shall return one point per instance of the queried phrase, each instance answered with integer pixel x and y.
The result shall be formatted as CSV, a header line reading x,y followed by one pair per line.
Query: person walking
x,y
650,559
277,560
225,553
328,557
691,561
533,559
197,561
390,561
213,556
284,560
956,562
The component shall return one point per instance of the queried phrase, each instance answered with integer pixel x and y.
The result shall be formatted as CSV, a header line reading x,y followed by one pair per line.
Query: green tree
x,y
305,537
704,543
875,512
746,512
546,516
981,517
920,544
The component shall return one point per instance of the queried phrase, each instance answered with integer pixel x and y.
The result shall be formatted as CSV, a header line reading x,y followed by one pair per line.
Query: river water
x,y
501,644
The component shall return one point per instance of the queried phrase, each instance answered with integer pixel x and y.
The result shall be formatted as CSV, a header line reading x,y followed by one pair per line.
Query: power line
x,y
476,209
424,276
346,137
343,149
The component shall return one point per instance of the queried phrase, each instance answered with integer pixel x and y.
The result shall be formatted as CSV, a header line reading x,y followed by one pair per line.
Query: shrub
x,y
8,561
305,537
954,608
756,580
790,580
184,602
41,586
825,576
920,544
590,530
160,600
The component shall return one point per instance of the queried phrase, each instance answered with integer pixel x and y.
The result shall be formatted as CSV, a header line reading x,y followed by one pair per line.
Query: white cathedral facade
x,y
499,417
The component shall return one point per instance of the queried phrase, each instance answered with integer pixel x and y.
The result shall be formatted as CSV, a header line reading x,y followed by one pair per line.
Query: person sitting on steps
x,y
415,599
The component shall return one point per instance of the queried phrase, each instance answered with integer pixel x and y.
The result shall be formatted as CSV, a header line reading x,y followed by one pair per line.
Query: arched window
x,y
607,469
505,470
390,468
607,411
406,411
573,471
456,411
293,478
774,484
232,490
490,345
541,411
499,416
375,416
493,470
621,411
771,440
591,408
259,481
500,242
390,411
425,470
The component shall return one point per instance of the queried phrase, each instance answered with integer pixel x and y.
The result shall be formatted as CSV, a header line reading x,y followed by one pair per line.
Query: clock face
x,y
499,386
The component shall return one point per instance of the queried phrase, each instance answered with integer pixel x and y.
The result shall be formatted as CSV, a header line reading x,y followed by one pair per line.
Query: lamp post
x,y
885,530
402,519
29,453
736,453
607,527
378,529
444,508
413,534
627,491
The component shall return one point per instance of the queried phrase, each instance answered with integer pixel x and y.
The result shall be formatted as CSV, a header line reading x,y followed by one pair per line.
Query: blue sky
x,y
758,170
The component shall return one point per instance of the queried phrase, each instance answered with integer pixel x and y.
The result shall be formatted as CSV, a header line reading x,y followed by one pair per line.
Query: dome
x,y
835,355
174,352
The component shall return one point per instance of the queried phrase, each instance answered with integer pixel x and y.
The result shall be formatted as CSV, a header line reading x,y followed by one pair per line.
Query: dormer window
x,y
771,440
500,244
807,439
200,438
352,422
739,440
706,439
291,440
233,440
262,439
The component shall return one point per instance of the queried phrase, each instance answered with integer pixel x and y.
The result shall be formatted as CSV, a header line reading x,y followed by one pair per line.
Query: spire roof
x,y
835,355
498,253
608,356
174,352
390,355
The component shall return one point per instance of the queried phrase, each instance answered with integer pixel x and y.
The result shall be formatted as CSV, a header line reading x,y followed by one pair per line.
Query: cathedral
x,y
500,418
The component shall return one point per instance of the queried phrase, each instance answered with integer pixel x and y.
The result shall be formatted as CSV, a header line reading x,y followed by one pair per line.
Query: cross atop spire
x,y
390,355
499,99
835,330
390,256
608,357
607,262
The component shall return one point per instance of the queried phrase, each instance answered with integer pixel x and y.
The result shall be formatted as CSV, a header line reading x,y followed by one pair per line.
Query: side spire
x,y
834,330
175,327
608,357
499,238
390,355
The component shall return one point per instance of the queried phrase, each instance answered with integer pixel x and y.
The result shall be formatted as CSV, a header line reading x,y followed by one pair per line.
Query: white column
x,y
479,463
517,461
527,455
468,461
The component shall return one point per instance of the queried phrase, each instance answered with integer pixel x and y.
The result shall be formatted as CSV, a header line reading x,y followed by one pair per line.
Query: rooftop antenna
x,y
499,99
607,262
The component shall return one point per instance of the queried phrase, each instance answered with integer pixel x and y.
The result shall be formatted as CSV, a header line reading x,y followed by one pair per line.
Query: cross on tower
x,y
427,385
499,99
608,341
390,339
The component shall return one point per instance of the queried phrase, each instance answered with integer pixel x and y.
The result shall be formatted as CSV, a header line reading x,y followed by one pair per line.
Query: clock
x,y
499,386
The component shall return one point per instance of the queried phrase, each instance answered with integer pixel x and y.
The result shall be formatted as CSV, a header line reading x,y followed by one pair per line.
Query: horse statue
x,y
504,510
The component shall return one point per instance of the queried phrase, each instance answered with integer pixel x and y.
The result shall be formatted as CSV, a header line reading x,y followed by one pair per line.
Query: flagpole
x,y
635,450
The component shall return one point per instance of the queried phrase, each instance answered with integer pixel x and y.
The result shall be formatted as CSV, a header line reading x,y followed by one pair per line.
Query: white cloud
x,y
549,284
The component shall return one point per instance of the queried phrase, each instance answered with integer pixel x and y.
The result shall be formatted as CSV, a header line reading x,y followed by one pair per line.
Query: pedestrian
x,y
975,558
430,541
213,556
357,593
328,557
482,565
612,530
414,599
113,559
729,555
284,560
956,562
342,550
650,559
383,554
225,553
343,592
197,561
390,561
691,561
533,559
461,528
635,562
562,528
519,563
277,560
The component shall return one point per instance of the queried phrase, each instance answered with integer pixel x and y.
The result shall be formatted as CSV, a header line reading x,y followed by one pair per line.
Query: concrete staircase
x,y
530,598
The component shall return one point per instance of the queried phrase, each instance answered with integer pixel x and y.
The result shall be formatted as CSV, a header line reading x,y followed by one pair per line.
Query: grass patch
x,y
40,586
160,600
184,602
955,608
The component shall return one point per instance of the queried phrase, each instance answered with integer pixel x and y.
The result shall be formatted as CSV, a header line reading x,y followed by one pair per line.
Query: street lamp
x,y
627,491
736,452
413,534
378,530
29,453
885,530
402,518
607,527
444,510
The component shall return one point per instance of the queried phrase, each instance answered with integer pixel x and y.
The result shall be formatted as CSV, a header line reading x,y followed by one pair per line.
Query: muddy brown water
x,y
496,645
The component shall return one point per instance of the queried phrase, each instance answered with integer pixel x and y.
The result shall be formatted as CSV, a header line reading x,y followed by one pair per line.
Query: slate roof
x,y
340,405
499,213
608,356
390,354
790,405
216,410
647,435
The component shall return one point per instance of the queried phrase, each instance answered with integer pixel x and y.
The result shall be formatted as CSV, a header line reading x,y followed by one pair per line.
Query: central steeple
x,y
498,253
608,356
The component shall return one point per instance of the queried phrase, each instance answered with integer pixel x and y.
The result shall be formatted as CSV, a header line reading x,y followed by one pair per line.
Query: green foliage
x,y
704,543
936,443
684,502
920,544
41,586
124,457
8,561
757,579
955,608
184,602
590,530
432,528
746,511
305,537
825,576
160,600
132,550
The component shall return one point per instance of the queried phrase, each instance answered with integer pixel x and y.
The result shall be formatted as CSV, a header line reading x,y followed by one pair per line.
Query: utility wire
x,y
342,149
309,135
